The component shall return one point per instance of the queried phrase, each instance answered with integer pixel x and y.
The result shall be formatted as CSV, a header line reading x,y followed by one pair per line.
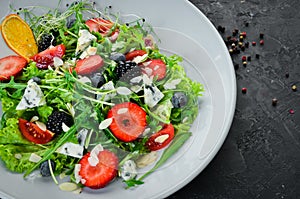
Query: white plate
x,y
185,31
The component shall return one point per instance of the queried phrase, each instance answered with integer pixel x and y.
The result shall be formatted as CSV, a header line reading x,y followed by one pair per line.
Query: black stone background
x,y
260,157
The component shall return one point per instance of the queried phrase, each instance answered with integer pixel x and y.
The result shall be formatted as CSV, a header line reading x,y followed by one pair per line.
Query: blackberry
x,y
45,169
125,71
45,41
56,119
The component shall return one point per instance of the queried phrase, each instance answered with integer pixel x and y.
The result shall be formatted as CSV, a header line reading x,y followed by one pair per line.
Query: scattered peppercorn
x,y
246,24
244,90
257,56
247,44
241,38
249,58
262,42
261,35
221,29
274,101
294,87
243,48
235,32
236,66
287,75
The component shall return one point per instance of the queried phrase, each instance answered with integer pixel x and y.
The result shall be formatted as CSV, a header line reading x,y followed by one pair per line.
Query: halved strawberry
x,y
89,65
100,175
156,68
11,66
162,138
45,58
132,54
99,25
129,121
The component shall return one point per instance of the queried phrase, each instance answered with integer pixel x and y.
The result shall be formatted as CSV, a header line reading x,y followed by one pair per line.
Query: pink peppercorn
x,y
261,42
244,90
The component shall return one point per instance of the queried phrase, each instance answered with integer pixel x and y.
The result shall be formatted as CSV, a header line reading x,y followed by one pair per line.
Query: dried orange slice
x,y
18,36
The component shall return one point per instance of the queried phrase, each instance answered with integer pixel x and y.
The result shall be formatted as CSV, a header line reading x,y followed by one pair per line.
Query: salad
x,y
97,102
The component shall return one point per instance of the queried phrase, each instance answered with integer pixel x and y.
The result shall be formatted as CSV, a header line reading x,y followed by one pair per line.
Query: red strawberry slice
x,y
98,176
11,66
46,57
129,121
156,68
89,65
162,138
99,25
131,55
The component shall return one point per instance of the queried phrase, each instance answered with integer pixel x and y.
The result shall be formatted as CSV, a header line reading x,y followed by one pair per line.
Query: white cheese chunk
x,y
85,39
163,110
128,170
81,136
152,95
71,149
33,97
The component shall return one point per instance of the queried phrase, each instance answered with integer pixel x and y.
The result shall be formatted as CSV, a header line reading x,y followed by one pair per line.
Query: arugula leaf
x,y
132,183
179,139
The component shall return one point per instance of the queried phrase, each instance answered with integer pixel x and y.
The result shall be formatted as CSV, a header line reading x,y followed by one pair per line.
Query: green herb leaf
x,y
178,141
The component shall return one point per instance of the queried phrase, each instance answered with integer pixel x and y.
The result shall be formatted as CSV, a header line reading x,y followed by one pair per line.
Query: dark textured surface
x,y
261,155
